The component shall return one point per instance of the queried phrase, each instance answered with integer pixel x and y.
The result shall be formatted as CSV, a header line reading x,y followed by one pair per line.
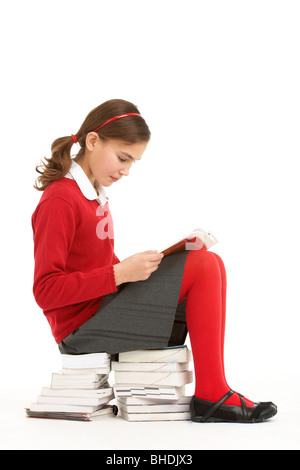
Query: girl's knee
x,y
203,258
218,258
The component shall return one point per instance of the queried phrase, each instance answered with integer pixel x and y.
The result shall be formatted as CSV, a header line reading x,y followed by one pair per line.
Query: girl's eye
x,y
122,159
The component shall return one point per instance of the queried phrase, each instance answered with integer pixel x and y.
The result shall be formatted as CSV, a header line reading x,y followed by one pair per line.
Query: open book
x,y
198,239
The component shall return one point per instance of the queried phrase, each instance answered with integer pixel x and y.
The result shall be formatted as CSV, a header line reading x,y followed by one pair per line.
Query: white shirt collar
x,y
77,174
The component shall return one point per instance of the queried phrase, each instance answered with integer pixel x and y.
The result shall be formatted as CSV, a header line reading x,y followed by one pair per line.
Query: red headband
x,y
107,122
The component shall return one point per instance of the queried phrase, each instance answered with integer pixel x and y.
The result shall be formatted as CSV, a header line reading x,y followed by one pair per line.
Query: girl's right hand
x,y
137,267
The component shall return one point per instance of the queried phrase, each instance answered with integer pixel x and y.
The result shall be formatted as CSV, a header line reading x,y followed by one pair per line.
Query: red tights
x,y
204,288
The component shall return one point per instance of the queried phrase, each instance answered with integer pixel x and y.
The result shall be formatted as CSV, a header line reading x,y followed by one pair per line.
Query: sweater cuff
x,y
113,279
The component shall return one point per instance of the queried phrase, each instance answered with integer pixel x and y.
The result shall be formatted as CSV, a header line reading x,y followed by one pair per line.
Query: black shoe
x,y
203,411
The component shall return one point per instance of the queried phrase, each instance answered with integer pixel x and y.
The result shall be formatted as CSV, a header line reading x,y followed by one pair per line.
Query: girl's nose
x,y
124,172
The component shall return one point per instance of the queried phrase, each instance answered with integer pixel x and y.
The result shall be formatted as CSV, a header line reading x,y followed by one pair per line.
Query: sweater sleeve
x,y
54,226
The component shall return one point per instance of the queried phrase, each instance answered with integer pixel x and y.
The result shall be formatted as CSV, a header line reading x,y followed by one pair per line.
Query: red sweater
x,y
73,259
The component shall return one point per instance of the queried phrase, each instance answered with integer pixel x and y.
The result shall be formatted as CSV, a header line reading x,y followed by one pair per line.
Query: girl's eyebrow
x,y
129,156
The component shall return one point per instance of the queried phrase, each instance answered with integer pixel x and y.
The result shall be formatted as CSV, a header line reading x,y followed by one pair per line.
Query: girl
x,y
95,303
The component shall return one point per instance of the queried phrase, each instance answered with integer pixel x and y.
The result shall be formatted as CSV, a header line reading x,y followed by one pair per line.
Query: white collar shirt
x,y
77,174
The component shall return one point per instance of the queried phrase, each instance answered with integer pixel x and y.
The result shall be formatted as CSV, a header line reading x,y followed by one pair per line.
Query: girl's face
x,y
107,162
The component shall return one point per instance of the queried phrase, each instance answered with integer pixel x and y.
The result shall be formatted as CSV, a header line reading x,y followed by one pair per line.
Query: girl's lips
x,y
115,179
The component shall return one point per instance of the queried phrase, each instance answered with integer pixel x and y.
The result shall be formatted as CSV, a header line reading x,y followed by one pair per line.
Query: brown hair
x,y
132,129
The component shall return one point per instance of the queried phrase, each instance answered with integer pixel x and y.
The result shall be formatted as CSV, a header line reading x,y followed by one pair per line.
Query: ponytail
x,y
57,166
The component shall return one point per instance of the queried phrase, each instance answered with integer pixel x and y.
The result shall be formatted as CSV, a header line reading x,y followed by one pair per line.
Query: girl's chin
x,y
105,182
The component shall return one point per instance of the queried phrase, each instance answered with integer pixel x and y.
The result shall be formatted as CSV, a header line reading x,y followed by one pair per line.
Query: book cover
x,y
150,366
85,361
60,407
139,391
175,379
107,411
183,400
77,401
98,370
198,239
179,416
89,380
70,392
174,354
151,408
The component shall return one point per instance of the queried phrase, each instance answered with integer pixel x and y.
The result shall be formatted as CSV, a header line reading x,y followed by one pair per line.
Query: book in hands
x,y
198,239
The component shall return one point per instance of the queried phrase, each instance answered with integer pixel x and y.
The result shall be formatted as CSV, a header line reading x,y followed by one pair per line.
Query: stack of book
x,y
150,384
80,392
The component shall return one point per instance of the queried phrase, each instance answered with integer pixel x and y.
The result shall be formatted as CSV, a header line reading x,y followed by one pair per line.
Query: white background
x,y
218,84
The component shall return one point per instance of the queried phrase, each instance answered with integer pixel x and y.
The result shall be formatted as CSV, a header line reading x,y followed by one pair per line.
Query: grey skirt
x,y
140,315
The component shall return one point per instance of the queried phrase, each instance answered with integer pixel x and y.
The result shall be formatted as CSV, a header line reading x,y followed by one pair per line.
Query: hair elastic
x,y
74,138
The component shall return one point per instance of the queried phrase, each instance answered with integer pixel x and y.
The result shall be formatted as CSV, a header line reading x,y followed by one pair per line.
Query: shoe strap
x,y
217,405
243,405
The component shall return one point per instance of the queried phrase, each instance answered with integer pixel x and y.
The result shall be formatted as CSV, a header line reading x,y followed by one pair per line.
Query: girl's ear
x,y
91,140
